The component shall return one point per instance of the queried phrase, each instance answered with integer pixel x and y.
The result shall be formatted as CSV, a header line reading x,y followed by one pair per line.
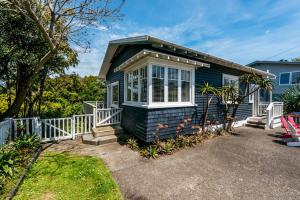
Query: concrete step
x,y
261,120
90,139
106,131
255,125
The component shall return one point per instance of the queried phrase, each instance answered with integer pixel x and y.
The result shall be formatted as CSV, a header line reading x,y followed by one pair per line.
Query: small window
x,y
172,85
284,79
135,85
115,94
252,87
295,77
128,83
230,80
158,74
185,85
143,84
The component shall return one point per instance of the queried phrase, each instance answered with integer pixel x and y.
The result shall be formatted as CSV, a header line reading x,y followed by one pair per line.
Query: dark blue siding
x,y
143,122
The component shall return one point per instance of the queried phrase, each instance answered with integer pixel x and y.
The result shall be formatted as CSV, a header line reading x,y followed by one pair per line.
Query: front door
x,y
113,95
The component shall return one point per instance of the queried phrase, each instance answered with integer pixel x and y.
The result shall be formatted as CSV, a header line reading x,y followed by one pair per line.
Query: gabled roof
x,y
259,62
114,44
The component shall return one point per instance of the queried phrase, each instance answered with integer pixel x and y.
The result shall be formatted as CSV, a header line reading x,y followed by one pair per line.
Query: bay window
x,y
159,85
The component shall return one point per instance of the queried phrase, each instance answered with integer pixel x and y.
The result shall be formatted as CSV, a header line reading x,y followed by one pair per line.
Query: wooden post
x,y
94,117
73,128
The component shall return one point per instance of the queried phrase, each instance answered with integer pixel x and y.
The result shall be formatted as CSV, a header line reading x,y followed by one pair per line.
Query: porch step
x,y
257,122
102,135
106,131
90,139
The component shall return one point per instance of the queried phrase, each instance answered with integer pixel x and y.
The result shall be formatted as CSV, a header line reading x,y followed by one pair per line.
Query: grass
x,y
64,176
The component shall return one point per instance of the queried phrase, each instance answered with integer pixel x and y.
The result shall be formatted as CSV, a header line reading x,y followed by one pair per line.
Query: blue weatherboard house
x,y
156,84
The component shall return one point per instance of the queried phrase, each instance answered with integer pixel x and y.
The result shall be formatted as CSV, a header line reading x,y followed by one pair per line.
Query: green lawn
x,y
64,176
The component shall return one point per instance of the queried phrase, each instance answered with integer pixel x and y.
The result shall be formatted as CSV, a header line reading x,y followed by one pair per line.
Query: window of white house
x,y
128,83
230,80
158,74
185,85
172,85
115,94
143,84
135,85
251,96
284,79
295,77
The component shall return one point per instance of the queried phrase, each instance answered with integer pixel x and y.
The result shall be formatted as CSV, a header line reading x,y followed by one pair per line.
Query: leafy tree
x,y
232,98
58,22
209,92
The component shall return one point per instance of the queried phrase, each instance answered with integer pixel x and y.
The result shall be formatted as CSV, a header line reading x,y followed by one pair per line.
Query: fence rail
x,y
5,131
108,116
47,129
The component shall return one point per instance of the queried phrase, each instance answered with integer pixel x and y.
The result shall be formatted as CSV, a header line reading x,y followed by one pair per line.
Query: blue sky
x,y
240,31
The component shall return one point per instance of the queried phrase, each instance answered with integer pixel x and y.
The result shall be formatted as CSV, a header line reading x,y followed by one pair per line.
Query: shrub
x,y
291,99
7,156
132,143
29,142
169,146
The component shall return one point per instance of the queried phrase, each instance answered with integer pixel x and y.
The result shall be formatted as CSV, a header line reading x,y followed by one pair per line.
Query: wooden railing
x,y
262,109
90,106
274,111
108,116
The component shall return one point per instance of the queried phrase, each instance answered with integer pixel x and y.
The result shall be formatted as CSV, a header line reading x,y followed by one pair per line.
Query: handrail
x,y
274,110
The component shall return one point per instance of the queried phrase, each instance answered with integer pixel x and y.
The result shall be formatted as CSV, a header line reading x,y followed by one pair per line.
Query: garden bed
x,y
166,147
15,158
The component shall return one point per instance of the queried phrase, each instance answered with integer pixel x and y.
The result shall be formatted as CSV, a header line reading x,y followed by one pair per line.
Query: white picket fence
x,y
47,129
61,128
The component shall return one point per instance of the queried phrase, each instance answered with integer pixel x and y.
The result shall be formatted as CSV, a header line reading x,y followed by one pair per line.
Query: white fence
x,y
5,131
108,116
274,111
262,109
47,129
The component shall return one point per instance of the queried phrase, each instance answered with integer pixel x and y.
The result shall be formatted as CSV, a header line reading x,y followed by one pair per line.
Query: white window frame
x,y
290,78
230,77
111,94
166,103
251,96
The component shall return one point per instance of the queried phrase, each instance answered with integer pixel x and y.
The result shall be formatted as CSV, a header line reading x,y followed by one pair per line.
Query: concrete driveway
x,y
248,166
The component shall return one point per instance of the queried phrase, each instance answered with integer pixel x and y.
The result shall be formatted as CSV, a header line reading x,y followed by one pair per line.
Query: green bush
x,y
28,141
291,100
7,163
132,143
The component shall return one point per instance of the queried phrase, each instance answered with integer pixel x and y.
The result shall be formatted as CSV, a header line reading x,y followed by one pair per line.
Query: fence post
x,y
73,127
94,117
37,127
10,128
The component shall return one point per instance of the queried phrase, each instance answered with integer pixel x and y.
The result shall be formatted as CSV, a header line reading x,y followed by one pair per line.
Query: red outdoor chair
x,y
291,119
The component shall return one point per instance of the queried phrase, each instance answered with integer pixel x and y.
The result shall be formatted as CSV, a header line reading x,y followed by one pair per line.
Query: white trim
x,y
166,64
111,94
290,77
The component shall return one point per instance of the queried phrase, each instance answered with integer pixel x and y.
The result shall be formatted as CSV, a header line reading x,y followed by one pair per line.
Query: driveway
x,y
247,166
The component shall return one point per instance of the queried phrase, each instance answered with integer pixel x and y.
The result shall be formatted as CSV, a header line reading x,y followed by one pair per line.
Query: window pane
x,y
129,80
185,85
284,78
143,83
295,77
135,85
158,83
115,94
172,85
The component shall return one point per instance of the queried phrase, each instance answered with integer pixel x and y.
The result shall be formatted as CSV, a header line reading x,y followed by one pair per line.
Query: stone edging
x,y
15,189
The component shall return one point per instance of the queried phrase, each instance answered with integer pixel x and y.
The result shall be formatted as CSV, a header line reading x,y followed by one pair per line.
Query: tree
x,y
59,22
20,45
209,92
232,98
295,59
